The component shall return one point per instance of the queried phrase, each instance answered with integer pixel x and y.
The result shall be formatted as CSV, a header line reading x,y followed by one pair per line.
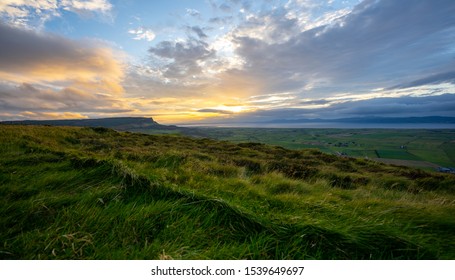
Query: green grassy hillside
x,y
94,193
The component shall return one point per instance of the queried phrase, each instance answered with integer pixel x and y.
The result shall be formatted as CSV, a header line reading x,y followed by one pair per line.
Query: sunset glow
x,y
224,60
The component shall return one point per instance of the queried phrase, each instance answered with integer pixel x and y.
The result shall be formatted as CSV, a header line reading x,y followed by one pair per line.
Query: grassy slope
x,y
83,193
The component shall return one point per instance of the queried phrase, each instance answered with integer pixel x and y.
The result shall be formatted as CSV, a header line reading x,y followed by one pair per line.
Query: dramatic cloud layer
x,y
228,60
378,44
39,57
43,72
286,56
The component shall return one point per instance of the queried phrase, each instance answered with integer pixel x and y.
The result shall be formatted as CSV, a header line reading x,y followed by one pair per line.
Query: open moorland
x,y
96,193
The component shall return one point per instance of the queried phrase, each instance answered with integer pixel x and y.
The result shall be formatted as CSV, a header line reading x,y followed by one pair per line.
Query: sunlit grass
x,y
83,193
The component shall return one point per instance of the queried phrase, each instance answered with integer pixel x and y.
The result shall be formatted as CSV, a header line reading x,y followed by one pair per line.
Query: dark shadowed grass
x,y
82,193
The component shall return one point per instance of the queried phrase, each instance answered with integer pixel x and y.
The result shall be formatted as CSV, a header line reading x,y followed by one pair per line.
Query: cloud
x,y
142,33
407,106
48,116
378,44
224,112
33,14
17,98
172,100
198,31
186,57
84,7
16,7
31,57
193,12
48,74
315,102
20,13
339,58
225,8
446,77
304,59
221,20
271,27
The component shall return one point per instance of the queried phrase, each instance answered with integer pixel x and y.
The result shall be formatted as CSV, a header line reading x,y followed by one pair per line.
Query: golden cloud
x,y
41,58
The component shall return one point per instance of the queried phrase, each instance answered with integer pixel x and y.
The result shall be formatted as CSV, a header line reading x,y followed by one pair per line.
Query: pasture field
x,y
95,193
435,146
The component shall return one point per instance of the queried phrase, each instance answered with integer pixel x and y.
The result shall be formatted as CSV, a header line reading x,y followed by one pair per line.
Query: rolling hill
x,y
97,193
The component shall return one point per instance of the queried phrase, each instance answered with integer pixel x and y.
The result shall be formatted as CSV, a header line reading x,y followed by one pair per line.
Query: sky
x,y
226,61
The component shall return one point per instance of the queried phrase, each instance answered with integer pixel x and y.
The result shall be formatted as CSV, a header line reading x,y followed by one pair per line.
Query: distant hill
x,y
124,123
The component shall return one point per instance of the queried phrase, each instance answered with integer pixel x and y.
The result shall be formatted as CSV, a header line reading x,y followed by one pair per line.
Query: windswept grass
x,y
83,193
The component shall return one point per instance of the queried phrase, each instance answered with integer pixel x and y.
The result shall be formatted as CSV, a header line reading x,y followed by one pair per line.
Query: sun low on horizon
x,y
222,61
